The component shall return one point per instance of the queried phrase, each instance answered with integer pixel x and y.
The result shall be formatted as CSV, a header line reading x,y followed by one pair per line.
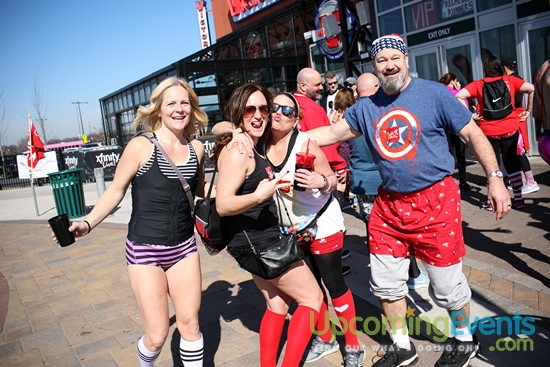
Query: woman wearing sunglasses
x,y
321,241
245,202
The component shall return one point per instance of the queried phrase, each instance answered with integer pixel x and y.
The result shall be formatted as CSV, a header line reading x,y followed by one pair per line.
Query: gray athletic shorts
x,y
448,285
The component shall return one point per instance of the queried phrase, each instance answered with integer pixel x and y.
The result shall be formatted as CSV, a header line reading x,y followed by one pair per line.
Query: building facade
x,y
269,41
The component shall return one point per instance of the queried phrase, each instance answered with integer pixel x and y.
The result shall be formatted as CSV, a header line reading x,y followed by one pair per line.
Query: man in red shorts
x,y
417,210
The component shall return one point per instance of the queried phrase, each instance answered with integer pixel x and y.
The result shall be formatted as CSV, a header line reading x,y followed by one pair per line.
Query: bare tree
x,y
40,108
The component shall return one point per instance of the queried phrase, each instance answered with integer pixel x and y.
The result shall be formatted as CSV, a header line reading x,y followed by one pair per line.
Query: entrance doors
x,y
534,50
454,56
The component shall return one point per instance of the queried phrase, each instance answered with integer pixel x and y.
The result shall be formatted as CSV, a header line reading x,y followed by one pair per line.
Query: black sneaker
x,y
457,353
398,357
346,270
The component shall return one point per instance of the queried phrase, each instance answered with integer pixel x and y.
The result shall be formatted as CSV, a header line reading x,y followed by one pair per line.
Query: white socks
x,y
192,353
146,358
464,334
400,337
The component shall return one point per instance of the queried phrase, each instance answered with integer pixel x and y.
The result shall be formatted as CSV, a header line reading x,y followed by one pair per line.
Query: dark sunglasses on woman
x,y
286,110
250,111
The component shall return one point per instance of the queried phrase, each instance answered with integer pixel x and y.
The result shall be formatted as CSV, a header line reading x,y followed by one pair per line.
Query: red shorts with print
x,y
426,223
325,245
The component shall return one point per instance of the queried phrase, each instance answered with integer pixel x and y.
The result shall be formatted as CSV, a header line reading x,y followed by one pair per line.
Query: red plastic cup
x,y
304,161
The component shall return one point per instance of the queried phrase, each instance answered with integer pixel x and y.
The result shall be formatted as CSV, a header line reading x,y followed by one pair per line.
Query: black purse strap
x,y
183,181
247,238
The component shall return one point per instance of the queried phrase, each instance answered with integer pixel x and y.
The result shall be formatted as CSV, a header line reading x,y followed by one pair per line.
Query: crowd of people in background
x,y
263,196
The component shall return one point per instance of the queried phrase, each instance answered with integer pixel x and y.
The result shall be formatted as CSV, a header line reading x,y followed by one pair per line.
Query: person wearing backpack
x,y
529,184
498,122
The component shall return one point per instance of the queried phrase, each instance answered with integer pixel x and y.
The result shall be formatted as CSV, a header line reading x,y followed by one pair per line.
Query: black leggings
x,y
328,268
508,148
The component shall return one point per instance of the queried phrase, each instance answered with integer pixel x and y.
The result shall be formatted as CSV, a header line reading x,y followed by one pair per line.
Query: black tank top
x,y
160,209
260,221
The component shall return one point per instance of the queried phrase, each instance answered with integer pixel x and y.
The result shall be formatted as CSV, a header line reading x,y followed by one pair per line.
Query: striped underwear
x,y
157,255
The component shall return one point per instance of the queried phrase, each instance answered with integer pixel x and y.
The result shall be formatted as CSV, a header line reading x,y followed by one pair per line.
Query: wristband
x,y
89,226
325,183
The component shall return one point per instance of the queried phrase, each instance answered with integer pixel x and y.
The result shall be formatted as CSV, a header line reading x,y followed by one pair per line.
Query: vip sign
x,y
203,23
329,42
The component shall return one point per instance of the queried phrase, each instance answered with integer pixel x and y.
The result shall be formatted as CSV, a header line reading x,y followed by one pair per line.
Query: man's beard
x,y
313,95
391,85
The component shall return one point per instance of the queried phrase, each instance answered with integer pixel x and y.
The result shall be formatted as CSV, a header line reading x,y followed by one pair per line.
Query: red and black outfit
x,y
503,134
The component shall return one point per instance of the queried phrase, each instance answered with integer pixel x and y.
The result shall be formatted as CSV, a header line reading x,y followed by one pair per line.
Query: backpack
x,y
208,222
497,102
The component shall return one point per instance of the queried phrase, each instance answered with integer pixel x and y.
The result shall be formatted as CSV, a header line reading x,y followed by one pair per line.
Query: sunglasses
x,y
332,83
286,110
250,111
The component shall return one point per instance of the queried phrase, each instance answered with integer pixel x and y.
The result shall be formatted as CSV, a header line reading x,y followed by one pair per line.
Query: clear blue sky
x,y
84,50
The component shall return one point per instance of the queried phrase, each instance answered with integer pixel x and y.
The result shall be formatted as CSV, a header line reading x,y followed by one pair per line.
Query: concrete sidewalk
x,y
73,306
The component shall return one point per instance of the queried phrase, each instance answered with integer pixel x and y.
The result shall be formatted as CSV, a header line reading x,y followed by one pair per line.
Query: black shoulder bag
x,y
276,259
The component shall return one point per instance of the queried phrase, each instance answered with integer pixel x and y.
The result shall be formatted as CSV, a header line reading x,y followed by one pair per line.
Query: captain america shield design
x,y
397,134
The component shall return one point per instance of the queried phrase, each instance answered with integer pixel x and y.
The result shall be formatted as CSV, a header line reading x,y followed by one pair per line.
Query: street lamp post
x,y
81,127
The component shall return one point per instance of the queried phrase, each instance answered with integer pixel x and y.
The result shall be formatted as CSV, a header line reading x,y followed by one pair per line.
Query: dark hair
x,y
298,113
447,78
493,67
343,100
234,112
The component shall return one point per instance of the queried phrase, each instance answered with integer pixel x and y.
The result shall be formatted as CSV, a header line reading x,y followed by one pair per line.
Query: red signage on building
x,y
241,9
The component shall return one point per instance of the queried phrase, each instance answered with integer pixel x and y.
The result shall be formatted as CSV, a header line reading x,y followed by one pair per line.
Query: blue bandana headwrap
x,y
393,40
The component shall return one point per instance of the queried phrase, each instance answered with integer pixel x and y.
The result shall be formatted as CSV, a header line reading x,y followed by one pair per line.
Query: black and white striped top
x,y
187,169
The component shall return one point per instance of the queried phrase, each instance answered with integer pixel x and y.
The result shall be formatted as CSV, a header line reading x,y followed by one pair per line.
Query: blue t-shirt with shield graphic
x,y
406,133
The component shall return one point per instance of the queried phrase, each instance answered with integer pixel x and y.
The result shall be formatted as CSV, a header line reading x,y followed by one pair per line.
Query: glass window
x,y
391,23
383,5
258,75
498,42
254,45
489,4
426,66
230,77
431,12
230,51
142,95
281,37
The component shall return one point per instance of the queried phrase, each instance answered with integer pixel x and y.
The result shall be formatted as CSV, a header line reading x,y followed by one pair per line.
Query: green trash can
x,y
68,192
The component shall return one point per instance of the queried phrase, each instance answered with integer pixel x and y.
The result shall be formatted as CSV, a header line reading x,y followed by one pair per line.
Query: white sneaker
x,y
422,281
528,188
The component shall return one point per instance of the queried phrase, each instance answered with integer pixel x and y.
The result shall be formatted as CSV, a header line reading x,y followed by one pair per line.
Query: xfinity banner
x,y
89,160
106,159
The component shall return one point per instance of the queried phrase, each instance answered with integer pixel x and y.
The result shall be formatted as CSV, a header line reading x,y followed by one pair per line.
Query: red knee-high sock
x,y
299,333
271,329
323,327
345,309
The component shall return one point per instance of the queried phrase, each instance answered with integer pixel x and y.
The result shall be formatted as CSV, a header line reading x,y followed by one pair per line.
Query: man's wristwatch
x,y
495,174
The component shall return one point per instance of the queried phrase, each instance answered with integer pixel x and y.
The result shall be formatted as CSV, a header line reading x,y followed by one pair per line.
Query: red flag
x,y
35,148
